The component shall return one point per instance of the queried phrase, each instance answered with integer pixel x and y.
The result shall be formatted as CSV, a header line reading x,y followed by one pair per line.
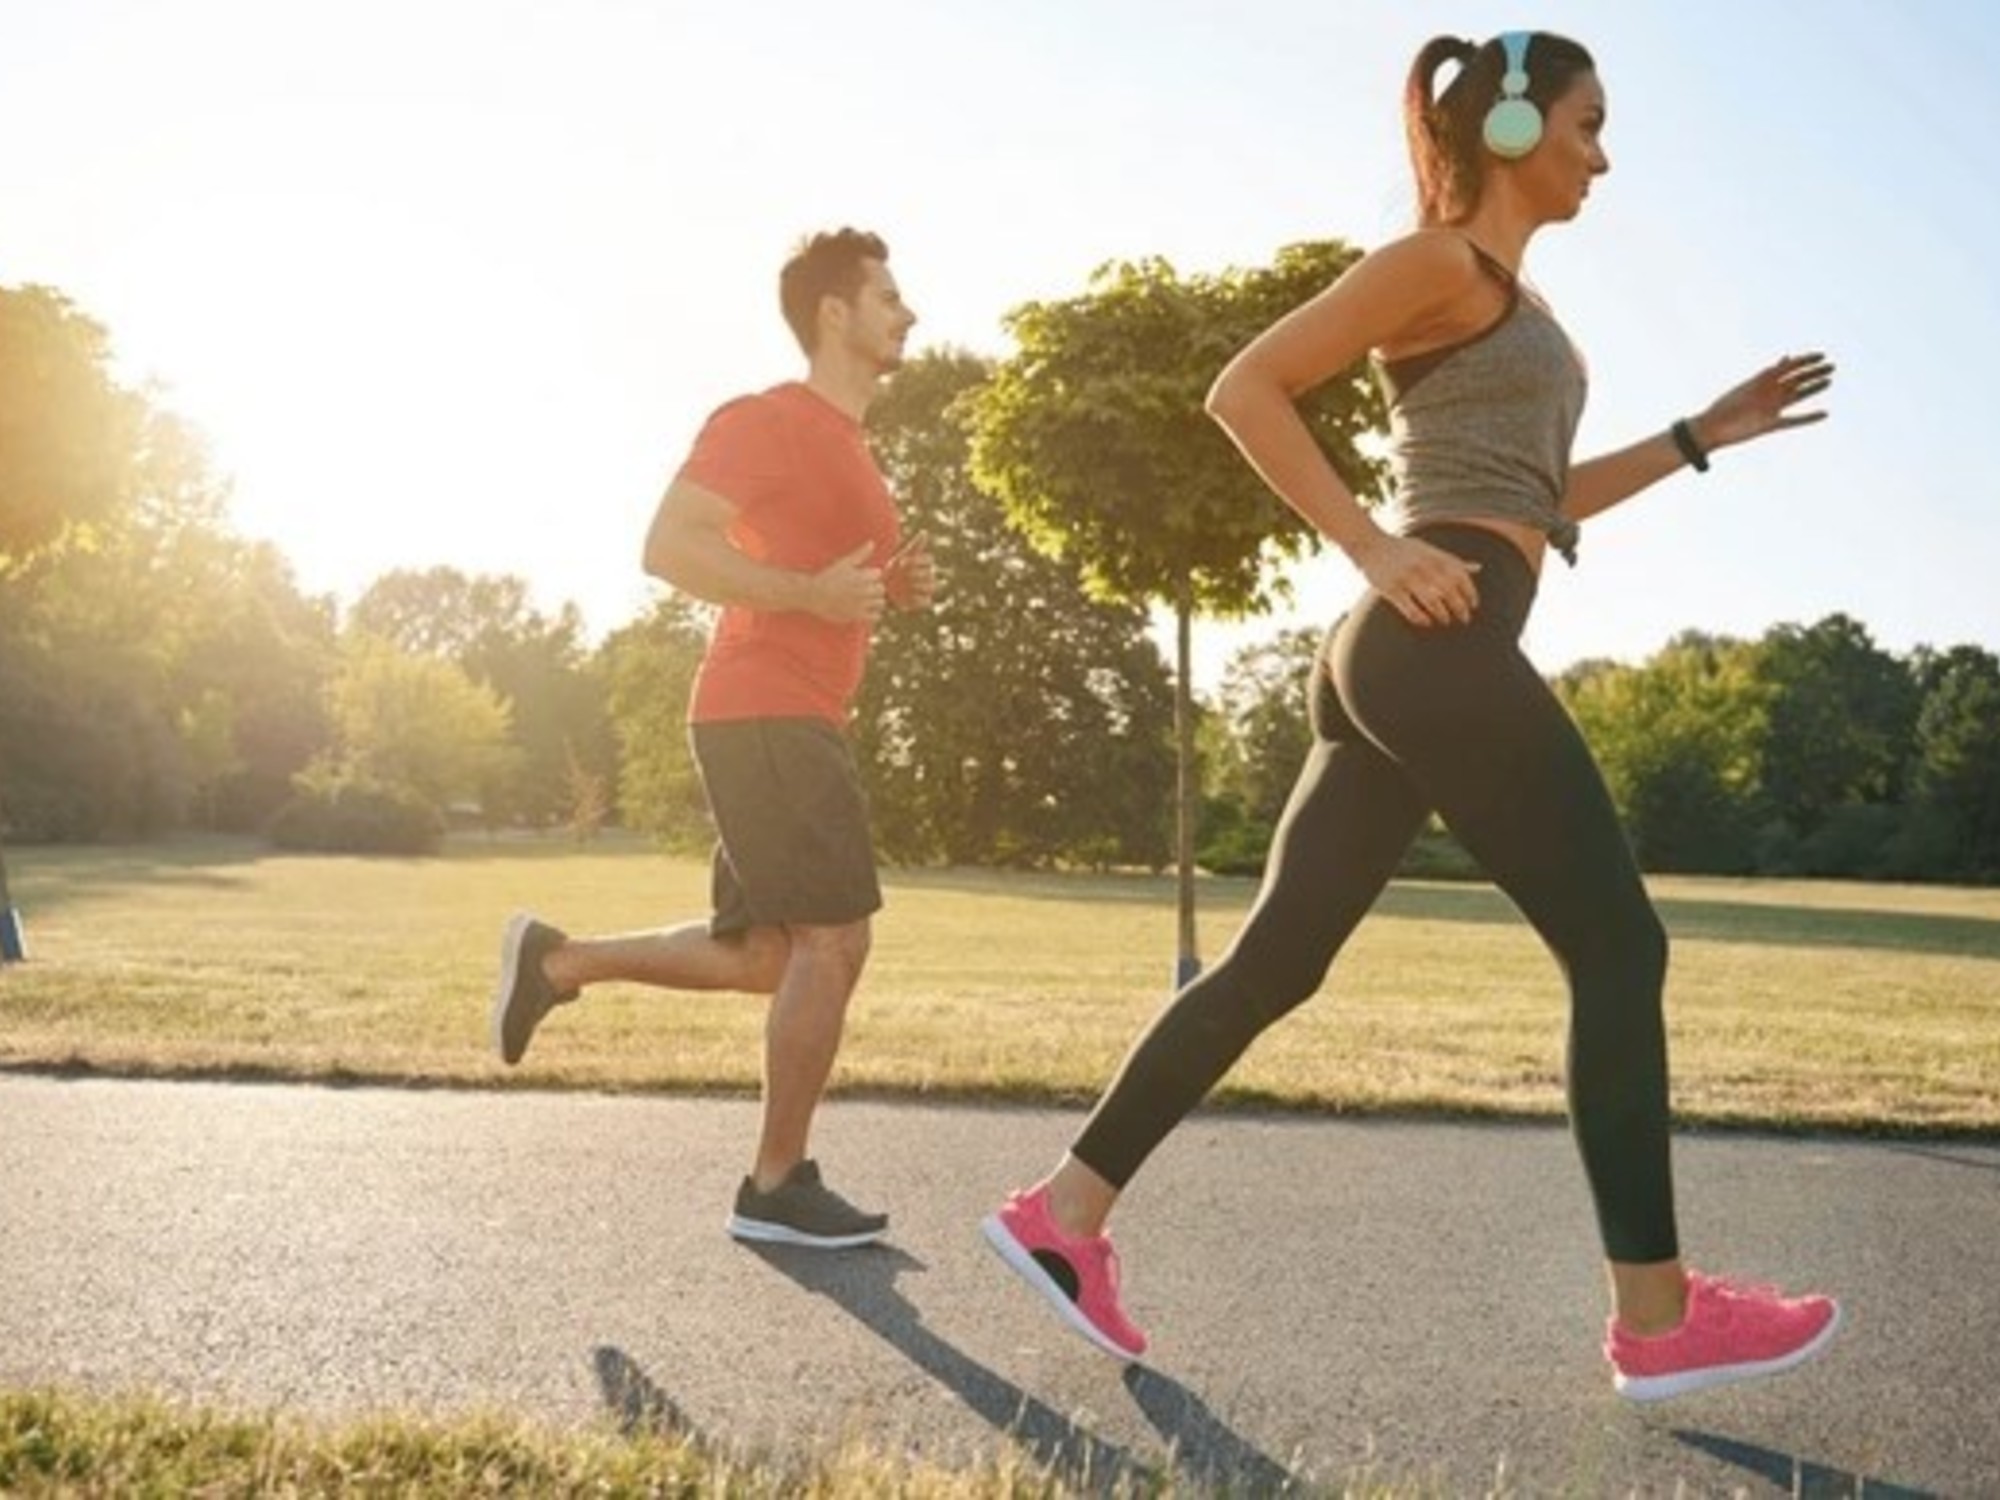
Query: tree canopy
x,y
1095,437
159,672
66,429
1018,720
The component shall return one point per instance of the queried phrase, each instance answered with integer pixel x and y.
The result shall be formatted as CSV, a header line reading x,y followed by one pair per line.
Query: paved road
x,y
1329,1300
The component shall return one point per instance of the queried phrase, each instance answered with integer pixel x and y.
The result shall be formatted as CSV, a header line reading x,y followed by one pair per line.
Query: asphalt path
x,y
1330,1301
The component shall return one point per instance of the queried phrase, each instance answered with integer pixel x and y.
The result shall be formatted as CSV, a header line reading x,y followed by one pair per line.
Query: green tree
x,y
1095,437
443,612
154,664
88,752
1254,744
589,801
62,422
1677,740
65,425
243,656
1839,732
416,723
1018,720
648,669
1958,760
558,714
253,676
1263,699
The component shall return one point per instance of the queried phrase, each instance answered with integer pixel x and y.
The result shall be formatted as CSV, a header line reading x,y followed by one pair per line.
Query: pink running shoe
x,y
1077,1275
1732,1332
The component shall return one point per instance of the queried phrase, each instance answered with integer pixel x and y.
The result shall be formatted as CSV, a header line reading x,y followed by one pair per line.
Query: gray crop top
x,y
1483,428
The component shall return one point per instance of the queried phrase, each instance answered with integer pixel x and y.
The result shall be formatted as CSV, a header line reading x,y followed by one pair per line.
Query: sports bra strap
x,y
1490,262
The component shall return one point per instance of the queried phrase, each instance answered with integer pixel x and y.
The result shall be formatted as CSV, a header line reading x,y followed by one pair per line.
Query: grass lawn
x,y
1790,1003
59,1445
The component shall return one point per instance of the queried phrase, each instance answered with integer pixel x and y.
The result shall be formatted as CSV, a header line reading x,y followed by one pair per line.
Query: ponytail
x,y
1447,173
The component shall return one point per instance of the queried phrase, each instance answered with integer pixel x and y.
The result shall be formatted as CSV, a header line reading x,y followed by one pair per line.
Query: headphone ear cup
x,y
1513,128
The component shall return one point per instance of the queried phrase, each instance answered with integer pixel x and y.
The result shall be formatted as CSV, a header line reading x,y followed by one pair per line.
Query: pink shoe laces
x,y
1100,1247
1737,1290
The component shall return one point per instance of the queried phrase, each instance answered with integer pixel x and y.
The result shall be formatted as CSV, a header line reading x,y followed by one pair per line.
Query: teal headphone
x,y
1513,125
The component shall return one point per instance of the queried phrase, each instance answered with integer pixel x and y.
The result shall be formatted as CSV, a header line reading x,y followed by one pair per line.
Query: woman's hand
x,y
1764,403
1427,585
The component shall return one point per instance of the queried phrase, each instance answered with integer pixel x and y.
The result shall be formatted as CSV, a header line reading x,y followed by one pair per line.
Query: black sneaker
x,y
524,994
802,1210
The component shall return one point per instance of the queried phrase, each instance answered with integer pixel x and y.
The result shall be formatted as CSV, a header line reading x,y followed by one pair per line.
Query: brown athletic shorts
x,y
791,822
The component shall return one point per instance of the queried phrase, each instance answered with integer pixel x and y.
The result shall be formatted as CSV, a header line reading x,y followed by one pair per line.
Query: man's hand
x,y
849,591
910,574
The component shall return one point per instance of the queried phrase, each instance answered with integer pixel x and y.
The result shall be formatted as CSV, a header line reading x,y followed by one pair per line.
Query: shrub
x,y
1228,841
358,817
1852,843
1437,855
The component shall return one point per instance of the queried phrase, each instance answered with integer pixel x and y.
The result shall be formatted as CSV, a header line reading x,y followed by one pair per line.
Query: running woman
x,y
1423,702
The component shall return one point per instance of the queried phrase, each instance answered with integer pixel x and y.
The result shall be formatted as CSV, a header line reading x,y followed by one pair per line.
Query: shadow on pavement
x,y
640,1406
1946,1155
1797,1476
863,1283
1206,1449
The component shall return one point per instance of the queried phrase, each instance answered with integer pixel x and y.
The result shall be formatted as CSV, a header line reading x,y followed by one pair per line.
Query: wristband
x,y
1691,450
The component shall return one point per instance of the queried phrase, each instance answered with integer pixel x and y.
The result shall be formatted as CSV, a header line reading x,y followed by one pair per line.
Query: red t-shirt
x,y
807,492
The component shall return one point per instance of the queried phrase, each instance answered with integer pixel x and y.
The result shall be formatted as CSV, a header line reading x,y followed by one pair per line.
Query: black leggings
x,y
1456,719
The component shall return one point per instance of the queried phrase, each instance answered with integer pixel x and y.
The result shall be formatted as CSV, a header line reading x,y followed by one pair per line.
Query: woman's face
x,y
1557,173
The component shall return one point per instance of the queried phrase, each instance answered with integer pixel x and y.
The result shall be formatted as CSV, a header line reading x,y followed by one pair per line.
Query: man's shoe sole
x,y
512,941
1022,1262
764,1232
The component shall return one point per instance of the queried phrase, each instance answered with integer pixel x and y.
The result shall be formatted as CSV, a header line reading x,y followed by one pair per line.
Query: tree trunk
x,y
1188,961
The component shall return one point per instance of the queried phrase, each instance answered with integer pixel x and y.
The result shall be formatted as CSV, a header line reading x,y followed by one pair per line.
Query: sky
x,y
454,282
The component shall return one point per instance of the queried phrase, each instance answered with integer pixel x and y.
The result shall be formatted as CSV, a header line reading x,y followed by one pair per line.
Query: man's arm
x,y
688,546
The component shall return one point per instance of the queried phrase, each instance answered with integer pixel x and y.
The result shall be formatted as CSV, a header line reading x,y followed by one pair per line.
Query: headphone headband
x,y
1514,81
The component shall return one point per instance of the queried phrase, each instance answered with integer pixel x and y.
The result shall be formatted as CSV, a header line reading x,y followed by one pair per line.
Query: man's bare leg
x,y
687,957
801,1038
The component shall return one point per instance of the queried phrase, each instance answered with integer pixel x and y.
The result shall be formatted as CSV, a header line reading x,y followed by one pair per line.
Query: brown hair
x,y
1447,149
823,265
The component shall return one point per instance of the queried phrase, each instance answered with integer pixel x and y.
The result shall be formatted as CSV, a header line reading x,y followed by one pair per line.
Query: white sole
x,y
1024,1265
762,1233
511,942
1661,1387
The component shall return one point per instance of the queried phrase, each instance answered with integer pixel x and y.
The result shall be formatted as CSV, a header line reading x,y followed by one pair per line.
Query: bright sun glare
x,y
352,367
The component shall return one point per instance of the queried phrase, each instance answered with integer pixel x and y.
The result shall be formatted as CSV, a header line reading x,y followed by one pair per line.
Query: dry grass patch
x,y
62,1444
1791,1003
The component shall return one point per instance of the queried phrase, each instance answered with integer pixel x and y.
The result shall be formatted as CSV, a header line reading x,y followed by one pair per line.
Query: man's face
x,y
874,325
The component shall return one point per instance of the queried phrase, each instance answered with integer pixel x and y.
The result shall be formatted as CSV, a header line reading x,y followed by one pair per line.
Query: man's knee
x,y
842,949
763,953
